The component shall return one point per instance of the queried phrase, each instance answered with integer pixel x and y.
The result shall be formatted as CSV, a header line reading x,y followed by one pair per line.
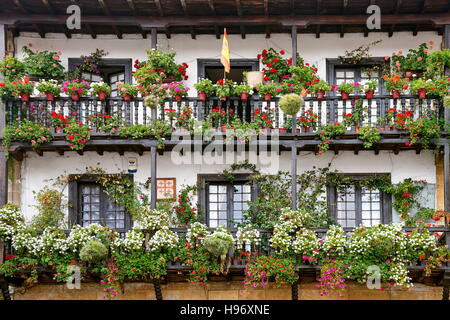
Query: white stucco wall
x,y
37,172
313,50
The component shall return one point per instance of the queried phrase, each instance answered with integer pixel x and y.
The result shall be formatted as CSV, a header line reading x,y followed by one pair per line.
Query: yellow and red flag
x,y
225,55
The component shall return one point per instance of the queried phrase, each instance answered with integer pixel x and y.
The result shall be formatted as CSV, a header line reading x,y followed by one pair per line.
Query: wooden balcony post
x,y
153,176
446,176
3,160
154,38
294,45
294,177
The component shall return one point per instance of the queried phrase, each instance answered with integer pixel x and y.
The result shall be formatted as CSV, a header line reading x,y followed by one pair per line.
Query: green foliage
x,y
327,133
204,85
290,104
90,64
50,86
12,68
437,61
126,88
348,87
185,211
98,87
158,129
320,85
369,135
93,251
26,131
76,134
415,60
141,265
421,84
243,88
50,209
45,64
268,88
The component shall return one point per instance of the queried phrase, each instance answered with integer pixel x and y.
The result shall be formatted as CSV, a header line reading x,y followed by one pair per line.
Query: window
x,y
224,202
111,71
338,73
357,205
212,69
90,204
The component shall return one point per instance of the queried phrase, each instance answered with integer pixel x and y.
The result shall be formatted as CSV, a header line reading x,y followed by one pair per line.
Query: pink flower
x,y
419,58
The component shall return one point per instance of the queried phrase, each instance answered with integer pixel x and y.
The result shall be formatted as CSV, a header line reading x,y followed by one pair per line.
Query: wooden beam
x,y
398,5
301,21
153,175
238,7
89,28
266,7
342,31
423,6
39,30
20,6
212,7
108,13
132,7
318,6
159,8
294,45
49,7
318,31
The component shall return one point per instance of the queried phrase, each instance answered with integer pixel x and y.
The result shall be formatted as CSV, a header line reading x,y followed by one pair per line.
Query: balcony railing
x,y
328,110
237,262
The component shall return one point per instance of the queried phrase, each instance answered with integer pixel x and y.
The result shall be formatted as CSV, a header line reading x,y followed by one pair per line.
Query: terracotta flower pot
x,y
320,94
422,93
127,97
102,96
224,128
244,96
169,79
282,130
268,97
223,98
408,74
369,94
202,96
75,96
395,94
306,129
49,96
178,97
25,97
345,95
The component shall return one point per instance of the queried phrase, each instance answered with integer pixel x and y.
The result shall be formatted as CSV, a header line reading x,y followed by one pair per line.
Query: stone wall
x,y
222,291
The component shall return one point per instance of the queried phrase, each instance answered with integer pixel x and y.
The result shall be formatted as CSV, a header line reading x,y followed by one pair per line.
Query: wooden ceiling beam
x,y
266,7
398,5
423,6
212,7
20,6
239,12
159,7
49,7
301,21
108,13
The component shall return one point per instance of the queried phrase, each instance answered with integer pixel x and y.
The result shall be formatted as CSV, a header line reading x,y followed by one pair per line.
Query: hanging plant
x,y
290,104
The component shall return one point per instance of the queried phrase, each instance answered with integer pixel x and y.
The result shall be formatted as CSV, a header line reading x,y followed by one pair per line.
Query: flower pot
x,y
202,96
49,96
306,129
395,94
408,74
102,96
422,93
223,98
25,97
320,94
268,97
369,94
282,130
345,95
224,128
75,96
357,128
244,96
127,97
178,97
59,129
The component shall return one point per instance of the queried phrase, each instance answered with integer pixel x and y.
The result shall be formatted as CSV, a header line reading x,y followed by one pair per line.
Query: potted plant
x,y
308,120
421,87
101,89
396,85
243,90
319,88
204,88
369,88
75,89
223,89
43,64
159,67
76,134
23,88
128,91
347,88
268,90
12,68
275,66
415,62
177,90
50,88
290,104
439,87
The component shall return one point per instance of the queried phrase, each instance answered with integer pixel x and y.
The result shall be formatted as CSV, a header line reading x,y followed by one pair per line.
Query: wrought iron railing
x,y
330,109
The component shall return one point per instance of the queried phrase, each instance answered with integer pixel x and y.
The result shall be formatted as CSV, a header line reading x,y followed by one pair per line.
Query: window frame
x,y
204,180
203,63
75,200
333,64
126,63
385,200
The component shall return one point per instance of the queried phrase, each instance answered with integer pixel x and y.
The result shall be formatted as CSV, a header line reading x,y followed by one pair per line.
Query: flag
x,y
225,55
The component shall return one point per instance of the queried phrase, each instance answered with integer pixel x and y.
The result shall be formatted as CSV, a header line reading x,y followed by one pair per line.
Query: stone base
x,y
222,291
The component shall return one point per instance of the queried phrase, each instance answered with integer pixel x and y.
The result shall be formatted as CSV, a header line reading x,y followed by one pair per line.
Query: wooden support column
x,y
154,38
3,161
446,42
294,45
294,177
153,176
446,36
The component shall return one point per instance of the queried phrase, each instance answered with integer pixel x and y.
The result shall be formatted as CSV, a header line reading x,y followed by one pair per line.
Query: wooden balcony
x,y
329,110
